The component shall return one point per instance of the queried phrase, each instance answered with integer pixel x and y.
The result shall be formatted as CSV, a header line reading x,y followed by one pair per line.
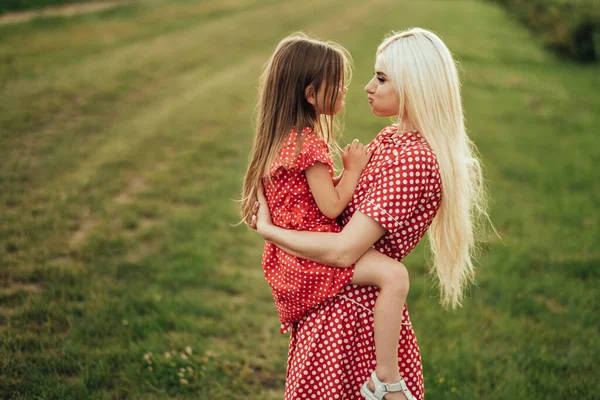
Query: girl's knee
x,y
397,279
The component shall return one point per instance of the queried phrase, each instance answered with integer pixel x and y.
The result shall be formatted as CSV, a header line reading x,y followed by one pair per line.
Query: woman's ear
x,y
311,95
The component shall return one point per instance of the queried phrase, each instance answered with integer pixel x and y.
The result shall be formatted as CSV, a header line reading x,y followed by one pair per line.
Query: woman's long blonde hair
x,y
297,63
424,75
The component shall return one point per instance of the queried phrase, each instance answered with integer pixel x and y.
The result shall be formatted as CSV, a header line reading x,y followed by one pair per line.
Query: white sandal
x,y
381,389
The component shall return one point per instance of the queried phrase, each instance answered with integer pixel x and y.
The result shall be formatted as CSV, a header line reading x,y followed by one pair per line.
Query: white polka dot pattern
x,y
332,350
297,284
400,188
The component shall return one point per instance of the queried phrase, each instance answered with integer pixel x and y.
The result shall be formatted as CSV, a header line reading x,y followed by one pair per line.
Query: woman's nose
x,y
370,88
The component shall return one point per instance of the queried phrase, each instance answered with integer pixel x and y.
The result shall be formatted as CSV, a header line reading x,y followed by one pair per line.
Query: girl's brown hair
x,y
297,63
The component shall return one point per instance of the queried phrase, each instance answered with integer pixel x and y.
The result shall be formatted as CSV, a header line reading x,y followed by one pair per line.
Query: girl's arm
x,y
337,179
336,249
331,198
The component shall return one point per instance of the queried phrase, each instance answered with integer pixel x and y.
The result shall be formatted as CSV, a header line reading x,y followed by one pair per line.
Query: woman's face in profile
x,y
382,97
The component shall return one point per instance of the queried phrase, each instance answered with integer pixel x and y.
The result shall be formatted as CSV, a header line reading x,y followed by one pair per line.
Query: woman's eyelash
x,y
380,79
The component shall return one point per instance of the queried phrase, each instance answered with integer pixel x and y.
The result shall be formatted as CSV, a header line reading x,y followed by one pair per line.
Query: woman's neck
x,y
405,126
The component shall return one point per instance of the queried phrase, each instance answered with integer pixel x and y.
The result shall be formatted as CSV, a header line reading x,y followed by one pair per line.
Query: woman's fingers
x,y
262,200
260,211
255,207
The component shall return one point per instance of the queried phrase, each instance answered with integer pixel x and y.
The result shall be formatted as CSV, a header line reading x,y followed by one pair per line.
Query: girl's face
x,y
382,97
340,101
323,101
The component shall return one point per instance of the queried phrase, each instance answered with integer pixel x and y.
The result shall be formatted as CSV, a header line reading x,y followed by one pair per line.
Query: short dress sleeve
x,y
396,192
314,149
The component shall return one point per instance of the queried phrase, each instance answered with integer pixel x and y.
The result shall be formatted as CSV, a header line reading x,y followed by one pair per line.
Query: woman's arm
x,y
336,249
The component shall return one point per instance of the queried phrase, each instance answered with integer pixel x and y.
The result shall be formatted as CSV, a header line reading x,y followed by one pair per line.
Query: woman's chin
x,y
377,113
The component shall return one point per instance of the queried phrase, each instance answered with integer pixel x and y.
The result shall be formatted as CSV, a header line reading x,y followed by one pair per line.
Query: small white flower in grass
x,y
188,350
125,322
190,369
149,368
167,355
180,374
183,381
147,356
184,356
181,369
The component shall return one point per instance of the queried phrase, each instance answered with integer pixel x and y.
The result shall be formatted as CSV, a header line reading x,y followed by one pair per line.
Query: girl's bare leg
x,y
391,276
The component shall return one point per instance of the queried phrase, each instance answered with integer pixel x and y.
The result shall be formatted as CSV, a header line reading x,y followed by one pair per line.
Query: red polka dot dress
x,y
332,349
298,284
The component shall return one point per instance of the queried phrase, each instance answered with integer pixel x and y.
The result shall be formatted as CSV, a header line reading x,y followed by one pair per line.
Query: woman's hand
x,y
261,218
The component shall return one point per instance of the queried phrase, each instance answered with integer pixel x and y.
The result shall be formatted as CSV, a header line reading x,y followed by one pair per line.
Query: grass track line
x,y
104,153
79,86
68,10
155,119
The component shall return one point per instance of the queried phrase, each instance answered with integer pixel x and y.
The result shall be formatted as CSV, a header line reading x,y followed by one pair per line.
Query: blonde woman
x,y
424,175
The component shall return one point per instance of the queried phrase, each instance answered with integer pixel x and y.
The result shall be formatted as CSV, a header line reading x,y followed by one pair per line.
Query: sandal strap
x,y
381,388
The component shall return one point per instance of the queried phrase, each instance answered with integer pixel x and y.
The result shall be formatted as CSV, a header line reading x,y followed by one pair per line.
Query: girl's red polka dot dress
x,y
297,284
332,349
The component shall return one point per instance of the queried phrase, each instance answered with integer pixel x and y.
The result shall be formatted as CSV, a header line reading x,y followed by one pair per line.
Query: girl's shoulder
x,y
301,150
308,137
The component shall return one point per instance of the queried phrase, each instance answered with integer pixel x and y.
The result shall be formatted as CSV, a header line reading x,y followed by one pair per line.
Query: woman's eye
x,y
381,80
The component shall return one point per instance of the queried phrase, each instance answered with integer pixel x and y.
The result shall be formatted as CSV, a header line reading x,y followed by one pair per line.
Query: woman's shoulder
x,y
387,131
390,129
417,154
417,146
408,147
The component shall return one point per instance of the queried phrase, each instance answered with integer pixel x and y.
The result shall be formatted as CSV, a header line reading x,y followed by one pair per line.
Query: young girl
x,y
302,89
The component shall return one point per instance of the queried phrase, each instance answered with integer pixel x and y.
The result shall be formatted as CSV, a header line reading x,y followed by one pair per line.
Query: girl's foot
x,y
389,396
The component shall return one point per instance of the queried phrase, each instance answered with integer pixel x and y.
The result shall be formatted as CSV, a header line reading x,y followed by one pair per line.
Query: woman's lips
x,y
370,100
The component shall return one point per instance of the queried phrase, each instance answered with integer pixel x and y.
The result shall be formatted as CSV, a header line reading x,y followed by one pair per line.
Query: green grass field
x,y
124,137
7,6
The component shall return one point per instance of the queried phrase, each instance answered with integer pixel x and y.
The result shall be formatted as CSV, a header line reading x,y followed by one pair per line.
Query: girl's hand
x,y
355,157
261,220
